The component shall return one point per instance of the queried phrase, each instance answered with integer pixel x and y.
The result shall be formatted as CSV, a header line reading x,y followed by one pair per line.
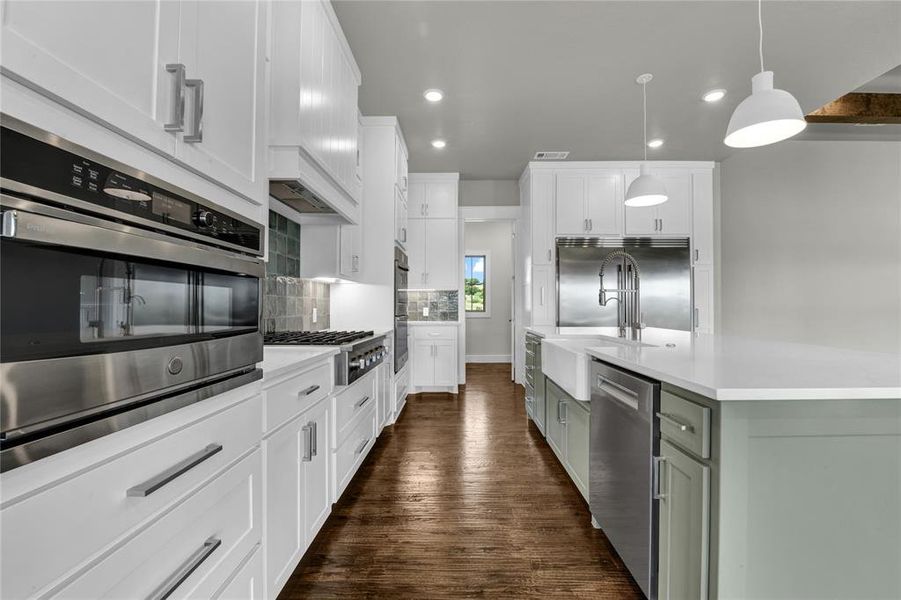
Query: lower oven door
x,y
97,316
401,349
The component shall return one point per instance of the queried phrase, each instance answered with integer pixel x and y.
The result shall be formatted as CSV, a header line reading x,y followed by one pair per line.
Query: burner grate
x,y
314,338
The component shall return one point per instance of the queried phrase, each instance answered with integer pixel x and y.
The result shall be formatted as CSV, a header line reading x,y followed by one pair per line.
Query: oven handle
x,y
74,230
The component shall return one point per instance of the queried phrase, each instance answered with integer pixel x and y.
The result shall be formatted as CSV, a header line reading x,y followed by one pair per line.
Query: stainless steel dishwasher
x,y
622,469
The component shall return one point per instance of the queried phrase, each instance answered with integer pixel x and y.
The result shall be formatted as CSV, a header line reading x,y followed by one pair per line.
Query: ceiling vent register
x,y
550,155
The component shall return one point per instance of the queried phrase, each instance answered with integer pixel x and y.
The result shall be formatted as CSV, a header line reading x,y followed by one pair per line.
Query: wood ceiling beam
x,y
859,107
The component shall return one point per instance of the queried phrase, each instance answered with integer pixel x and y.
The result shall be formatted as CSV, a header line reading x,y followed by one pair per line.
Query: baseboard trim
x,y
488,358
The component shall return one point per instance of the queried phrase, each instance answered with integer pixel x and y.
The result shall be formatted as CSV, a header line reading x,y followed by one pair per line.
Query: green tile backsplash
x,y
284,246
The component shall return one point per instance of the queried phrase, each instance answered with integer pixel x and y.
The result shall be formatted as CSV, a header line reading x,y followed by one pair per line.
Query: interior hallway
x,y
462,498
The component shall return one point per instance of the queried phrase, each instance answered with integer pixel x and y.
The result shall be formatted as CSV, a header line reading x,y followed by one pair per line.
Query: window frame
x,y
485,314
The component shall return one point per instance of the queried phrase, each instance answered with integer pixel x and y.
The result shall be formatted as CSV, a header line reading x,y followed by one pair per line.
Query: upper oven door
x,y
94,313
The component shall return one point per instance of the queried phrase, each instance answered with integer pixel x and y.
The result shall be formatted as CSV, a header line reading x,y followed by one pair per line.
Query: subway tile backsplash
x,y
443,305
288,300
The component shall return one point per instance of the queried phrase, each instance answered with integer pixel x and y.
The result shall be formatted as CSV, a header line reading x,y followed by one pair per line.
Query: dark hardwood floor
x,y
462,498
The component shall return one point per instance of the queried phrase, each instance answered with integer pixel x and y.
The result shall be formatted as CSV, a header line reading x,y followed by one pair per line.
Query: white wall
x,y
811,244
488,338
491,192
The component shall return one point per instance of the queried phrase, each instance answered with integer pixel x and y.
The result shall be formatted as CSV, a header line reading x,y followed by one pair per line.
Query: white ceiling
x,y
526,76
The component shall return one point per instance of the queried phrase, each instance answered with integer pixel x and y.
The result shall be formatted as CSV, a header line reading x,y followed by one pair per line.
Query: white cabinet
x,y
433,198
673,217
223,46
542,217
331,251
702,217
297,494
434,356
184,78
684,513
433,255
544,295
589,202
119,78
400,219
703,294
401,390
400,162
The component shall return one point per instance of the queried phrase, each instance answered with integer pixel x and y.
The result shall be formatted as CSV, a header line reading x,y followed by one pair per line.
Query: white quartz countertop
x,y
278,360
433,323
731,368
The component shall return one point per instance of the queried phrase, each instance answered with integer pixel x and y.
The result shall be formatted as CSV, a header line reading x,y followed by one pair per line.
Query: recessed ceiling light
x,y
714,95
438,144
655,143
433,95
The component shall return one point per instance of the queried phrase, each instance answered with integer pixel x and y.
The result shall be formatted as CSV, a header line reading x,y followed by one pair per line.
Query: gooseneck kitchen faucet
x,y
628,277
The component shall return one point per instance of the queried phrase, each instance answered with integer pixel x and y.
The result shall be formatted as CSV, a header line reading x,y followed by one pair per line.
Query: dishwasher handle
x,y
618,392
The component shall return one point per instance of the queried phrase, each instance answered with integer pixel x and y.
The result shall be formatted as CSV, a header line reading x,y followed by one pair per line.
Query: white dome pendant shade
x,y
765,117
645,190
768,115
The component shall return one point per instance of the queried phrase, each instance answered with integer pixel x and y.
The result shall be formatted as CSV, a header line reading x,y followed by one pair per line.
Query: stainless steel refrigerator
x,y
665,272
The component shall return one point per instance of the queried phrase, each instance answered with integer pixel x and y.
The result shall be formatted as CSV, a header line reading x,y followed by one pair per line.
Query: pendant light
x,y
646,190
768,115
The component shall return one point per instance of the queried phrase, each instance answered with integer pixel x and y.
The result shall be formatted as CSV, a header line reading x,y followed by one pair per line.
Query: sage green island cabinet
x,y
567,433
778,499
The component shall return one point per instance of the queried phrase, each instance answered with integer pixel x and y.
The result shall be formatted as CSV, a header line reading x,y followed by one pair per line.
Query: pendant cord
x,y
644,98
760,27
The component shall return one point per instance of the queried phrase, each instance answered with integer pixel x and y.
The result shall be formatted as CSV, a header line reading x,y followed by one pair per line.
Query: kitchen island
x,y
780,463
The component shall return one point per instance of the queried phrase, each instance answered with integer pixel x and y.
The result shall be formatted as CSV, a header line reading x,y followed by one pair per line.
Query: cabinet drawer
x,y
48,536
352,402
288,399
434,333
205,538
685,423
352,450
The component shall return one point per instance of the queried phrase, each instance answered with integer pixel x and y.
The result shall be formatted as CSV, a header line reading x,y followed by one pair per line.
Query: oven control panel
x,y
89,185
359,361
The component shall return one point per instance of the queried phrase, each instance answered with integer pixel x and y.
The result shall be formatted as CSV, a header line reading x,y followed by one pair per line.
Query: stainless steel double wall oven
x,y
401,271
122,297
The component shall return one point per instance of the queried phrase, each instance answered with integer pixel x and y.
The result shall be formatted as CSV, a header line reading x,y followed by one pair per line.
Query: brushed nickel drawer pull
x,y
184,571
361,402
154,483
655,485
676,422
308,391
307,443
362,446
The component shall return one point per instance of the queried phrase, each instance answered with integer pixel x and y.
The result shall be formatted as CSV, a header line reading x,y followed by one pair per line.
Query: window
x,y
475,284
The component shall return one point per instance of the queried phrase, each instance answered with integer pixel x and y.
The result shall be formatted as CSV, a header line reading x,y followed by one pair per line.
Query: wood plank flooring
x,y
462,498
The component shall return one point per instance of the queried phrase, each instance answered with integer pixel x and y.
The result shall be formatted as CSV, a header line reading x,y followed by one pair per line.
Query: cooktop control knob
x,y
203,218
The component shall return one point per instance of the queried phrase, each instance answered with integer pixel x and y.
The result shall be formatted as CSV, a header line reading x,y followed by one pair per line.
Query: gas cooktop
x,y
314,338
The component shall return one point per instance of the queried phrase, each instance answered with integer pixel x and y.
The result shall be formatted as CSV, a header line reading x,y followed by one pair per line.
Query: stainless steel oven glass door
x,y
89,329
401,349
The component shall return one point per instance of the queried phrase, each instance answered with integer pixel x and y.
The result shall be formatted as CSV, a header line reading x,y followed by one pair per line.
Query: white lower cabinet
x,y
703,295
247,583
297,491
401,389
191,551
434,357
683,521
544,295
567,433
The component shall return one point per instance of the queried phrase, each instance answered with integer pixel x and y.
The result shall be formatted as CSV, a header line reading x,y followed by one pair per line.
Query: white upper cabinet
x,y
441,200
673,217
542,218
589,202
314,85
184,78
432,231
223,49
702,217
113,70
416,200
400,219
403,178
443,264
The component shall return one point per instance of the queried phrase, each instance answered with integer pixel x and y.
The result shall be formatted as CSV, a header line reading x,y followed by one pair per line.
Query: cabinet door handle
x,y
542,295
174,580
404,229
307,442
675,422
697,317
361,402
315,437
549,255
308,391
178,98
177,470
590,225
655,478
362,446
563,419
661,224
196,135
696,255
